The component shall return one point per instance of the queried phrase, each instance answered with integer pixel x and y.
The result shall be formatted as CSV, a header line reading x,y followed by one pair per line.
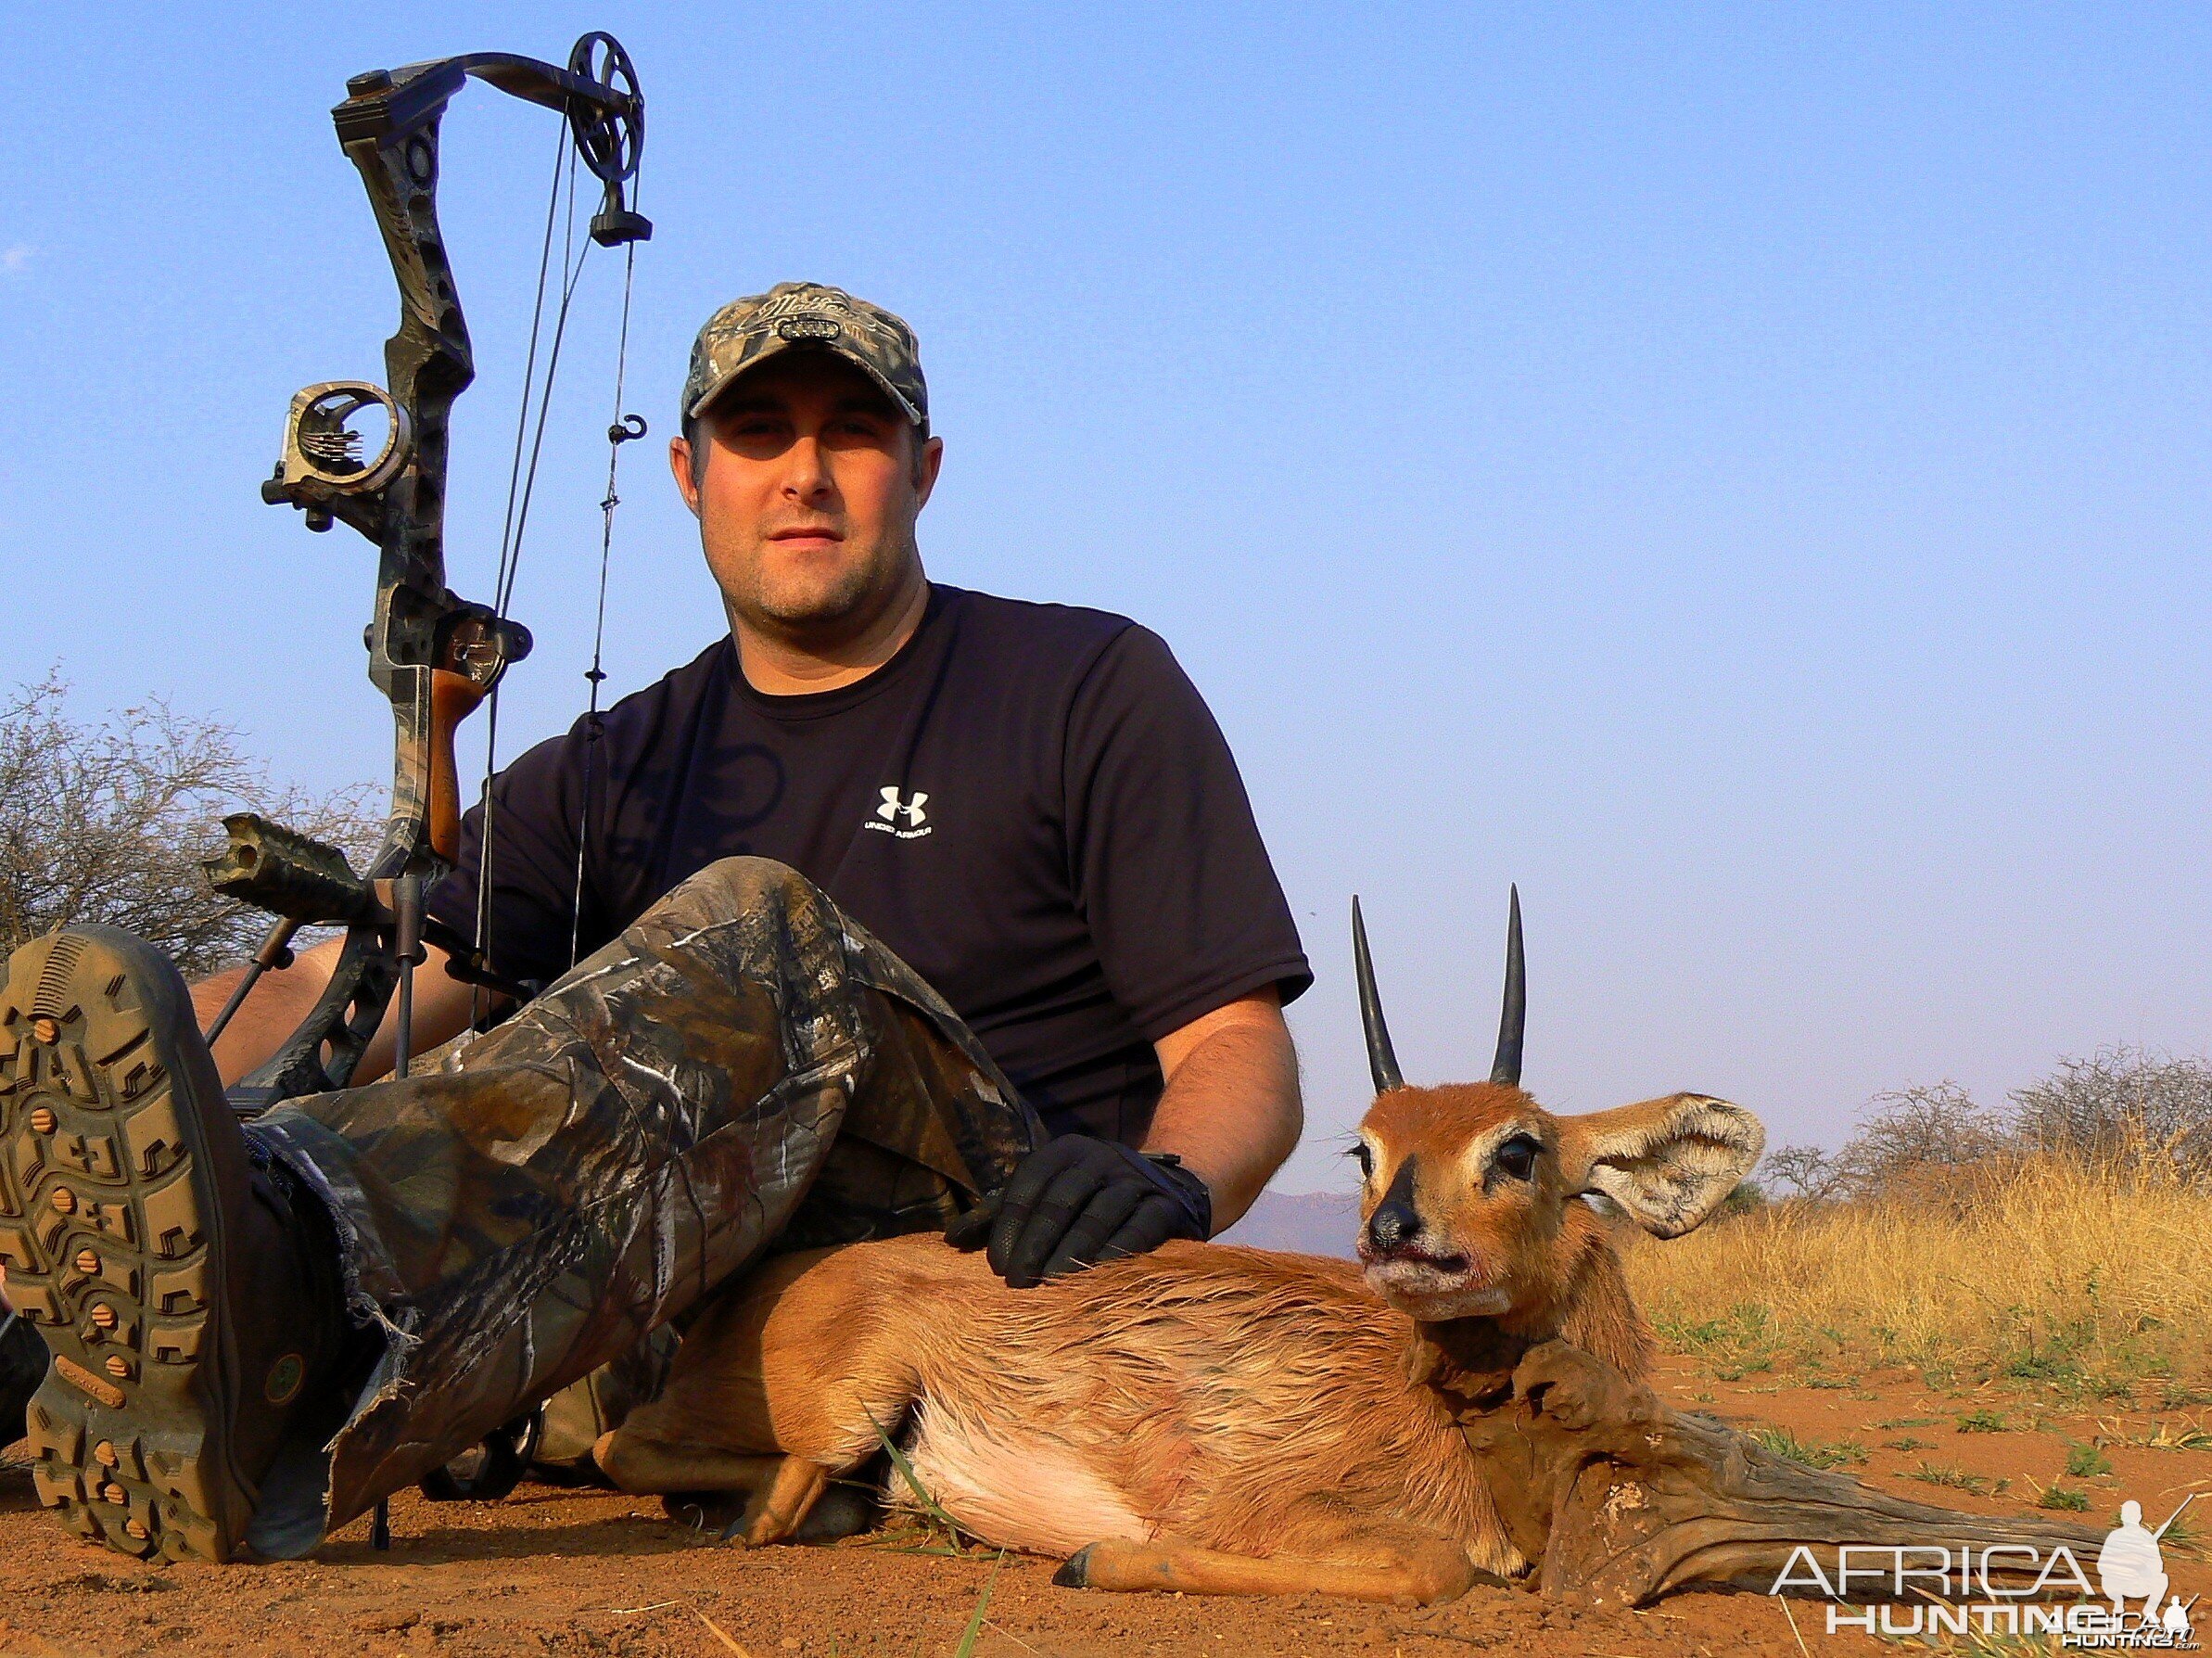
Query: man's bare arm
x,y
443,1006
1231,1110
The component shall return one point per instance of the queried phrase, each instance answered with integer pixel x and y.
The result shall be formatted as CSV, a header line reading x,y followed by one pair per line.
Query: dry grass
x,y
2092,1274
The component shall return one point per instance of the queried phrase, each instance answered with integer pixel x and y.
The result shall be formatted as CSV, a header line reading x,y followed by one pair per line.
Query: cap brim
x,y
776,347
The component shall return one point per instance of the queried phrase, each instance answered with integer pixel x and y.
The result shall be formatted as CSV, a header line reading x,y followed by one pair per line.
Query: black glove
x,y
1075,1201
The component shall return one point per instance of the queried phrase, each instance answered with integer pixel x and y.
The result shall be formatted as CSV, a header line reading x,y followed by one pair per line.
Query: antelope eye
x,y
1518,1157
1364,1158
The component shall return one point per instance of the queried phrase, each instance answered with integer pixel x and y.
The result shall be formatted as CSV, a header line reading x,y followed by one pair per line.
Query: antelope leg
x,y
651,1468
1421,1573
780,1491
779,1508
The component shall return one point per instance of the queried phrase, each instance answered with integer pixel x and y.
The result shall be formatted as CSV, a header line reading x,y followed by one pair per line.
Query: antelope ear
x,y
1669,1162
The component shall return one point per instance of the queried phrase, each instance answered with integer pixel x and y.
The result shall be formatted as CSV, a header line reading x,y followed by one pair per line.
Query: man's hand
x,y
1228,1117
1074,1201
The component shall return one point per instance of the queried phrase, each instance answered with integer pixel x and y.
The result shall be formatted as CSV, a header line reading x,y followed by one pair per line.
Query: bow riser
x,y
392,136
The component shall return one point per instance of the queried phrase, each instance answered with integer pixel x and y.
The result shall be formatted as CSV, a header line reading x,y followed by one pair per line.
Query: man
x,y
898,896
2131,1562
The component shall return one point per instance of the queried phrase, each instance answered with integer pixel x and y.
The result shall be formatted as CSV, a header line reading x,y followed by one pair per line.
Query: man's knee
x,y
732,889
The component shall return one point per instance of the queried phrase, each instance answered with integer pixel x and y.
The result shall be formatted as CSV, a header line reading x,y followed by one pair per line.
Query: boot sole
x,y
111,1229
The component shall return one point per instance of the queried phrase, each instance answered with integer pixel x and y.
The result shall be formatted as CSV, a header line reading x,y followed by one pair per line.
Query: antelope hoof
x,y
1076,1572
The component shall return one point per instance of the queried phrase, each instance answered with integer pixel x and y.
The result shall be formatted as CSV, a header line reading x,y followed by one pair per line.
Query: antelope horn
x,y
1513,1023
1380,1060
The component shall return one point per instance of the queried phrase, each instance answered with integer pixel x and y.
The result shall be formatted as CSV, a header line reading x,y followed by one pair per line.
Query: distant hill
x,y
1300,1222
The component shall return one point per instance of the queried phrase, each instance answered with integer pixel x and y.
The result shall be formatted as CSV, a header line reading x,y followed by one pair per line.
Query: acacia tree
x,y
107,821
2120,1103
2121,1100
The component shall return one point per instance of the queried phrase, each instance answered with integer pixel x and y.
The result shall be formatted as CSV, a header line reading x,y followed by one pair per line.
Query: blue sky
x,y
1740,472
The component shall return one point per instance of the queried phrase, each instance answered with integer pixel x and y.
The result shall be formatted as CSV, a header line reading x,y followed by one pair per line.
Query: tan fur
x,y
1194,1408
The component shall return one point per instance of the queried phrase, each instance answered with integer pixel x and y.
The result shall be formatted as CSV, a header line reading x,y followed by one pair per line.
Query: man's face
x,y
807,496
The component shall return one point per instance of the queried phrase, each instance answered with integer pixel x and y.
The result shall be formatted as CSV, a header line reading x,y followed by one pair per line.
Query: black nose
x,y
1393,1225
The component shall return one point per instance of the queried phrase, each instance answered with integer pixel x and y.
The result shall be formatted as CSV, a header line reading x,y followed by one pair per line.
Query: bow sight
x,y
375,457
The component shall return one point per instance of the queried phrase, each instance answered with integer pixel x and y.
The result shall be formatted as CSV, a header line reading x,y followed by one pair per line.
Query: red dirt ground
x,y
568,1571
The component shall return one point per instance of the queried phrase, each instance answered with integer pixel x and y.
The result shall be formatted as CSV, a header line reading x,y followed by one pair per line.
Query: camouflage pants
x,y
743,1068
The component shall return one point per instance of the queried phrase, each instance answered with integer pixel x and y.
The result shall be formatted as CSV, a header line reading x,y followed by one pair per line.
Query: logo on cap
x,y
810,327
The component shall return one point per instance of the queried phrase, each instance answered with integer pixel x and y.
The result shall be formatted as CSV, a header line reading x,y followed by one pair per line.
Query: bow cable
x,y
521,488
571,273
530,364
478,1005
522,485
623,429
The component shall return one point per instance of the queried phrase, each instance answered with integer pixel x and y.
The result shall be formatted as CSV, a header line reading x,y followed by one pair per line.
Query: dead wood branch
x,y
1619,1499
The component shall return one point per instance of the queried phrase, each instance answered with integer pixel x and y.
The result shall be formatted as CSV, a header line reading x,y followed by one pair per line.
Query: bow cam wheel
x,y
611,139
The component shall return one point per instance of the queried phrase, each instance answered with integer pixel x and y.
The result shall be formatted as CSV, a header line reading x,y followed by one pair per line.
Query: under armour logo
x,y
896,807
893,809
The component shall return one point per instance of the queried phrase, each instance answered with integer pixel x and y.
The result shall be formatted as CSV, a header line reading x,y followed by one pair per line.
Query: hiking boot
x,y
188,1297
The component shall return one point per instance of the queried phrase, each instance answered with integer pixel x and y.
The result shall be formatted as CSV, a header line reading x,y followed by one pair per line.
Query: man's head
x,y
806,456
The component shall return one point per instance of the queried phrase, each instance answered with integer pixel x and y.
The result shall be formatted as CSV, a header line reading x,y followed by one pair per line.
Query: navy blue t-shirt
x,y
1029,803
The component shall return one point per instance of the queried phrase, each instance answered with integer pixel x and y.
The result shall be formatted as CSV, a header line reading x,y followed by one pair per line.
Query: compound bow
x,y
434,654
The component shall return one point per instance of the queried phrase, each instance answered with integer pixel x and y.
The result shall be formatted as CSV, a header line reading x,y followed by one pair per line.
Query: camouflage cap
x,y
746,333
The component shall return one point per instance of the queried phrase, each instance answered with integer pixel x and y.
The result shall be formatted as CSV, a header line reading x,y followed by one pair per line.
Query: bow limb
x,y
388,128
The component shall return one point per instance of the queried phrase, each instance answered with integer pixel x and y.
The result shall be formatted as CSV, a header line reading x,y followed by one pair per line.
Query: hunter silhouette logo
x,y
897,808
2131,1565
